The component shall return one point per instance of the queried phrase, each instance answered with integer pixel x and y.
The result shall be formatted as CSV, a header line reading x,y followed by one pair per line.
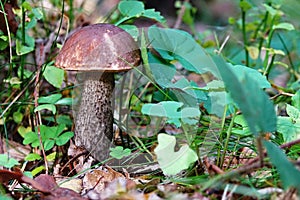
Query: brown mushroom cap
x,y
99,47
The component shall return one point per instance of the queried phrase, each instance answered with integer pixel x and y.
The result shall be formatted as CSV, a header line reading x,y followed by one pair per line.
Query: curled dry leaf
x,y
96,179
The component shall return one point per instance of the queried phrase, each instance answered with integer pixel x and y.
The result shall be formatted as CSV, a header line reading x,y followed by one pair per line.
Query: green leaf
x,y
22,130
65,101
23,49
18,117
293,112
254,103
170,110
64,119
241,71
3,42
54,75
284,26
26,5
176,44
48,144
152,14
7,162
51,156
38,13
37,170
296,100
162,73
289,127
31,137
119,152
50,107
50,99
245,6
64,138
172,162
33,157
131,8
132,30
289,174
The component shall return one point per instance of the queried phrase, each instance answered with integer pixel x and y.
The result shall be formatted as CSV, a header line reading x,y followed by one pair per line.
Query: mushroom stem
x,y
94,119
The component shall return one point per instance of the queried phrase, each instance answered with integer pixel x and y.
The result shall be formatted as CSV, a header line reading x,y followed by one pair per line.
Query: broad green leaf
x,y
54,75
119,152
254,103
7,162
131,8
163,109
289,174
33,157
293,112
50,99
172,162
241,71
50,107
162,73
179,45
170,110
284,26
296,100
289,127
64,138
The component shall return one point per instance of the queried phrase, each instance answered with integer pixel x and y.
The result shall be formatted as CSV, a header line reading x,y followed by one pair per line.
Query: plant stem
x,y
227,138
245,37
23,43
221,138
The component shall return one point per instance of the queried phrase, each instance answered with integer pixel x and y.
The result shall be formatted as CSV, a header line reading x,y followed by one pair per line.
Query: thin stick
x,y
180,15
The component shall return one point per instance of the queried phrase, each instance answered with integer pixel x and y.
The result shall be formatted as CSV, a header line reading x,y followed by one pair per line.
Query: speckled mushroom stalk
x,y
97,51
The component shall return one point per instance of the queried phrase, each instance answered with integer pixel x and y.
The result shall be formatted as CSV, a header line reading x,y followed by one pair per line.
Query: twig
x,y
38,122
180,15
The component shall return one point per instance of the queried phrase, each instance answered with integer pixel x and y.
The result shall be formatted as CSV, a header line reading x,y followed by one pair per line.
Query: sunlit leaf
x,y
50,107
33,157
50,99
119,152
54,75
171,110
172,162
284,26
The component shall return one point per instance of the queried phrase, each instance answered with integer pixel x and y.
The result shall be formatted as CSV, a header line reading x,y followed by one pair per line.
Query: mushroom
x,y
98,51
